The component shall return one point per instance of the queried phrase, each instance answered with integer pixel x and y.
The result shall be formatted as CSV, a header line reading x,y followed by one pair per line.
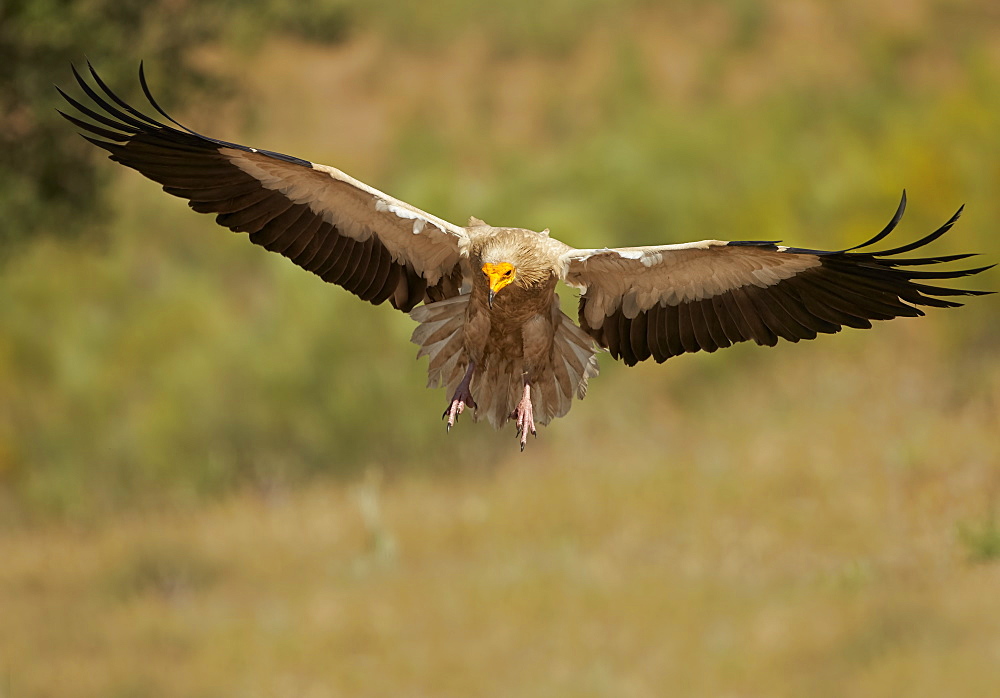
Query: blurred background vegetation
x,y
220,476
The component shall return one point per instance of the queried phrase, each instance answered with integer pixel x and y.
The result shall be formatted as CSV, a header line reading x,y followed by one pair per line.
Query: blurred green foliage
x,y
172,361
47,180
981,539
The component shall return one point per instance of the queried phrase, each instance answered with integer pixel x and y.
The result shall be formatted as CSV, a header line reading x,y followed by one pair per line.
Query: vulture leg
x,y
525,416
461,399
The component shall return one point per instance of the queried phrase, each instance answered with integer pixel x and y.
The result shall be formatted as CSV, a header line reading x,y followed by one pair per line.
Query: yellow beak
x,y
499,276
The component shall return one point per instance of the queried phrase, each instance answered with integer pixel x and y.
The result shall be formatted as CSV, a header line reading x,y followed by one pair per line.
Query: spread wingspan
x,y
663,301
350,234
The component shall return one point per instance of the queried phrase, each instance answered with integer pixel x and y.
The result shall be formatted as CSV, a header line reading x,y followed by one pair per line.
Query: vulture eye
x,y
507,273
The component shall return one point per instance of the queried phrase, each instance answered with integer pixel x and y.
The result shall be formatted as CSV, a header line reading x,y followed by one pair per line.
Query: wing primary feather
x,y
177,161
336,267
288,228
155,105
699,324
686,328
868,300
768,244
760,333
890,226
297,250
388,283
231,204
846,309
199,172
368,271
729,326
941,291
611,336
119,101
99,143
953,274
769,315
926,240
110,109
713,323
872,305
338,259
169,146
253,218
98,131
624,336
884,271
784,310
377,269
355,274
317,239
654,334
929,260
637,337
745,332
332,245
355,262
796,309
830,308
416,287
672,330
100,118
227,144
213,193
667,325
887,289
230,178
938,302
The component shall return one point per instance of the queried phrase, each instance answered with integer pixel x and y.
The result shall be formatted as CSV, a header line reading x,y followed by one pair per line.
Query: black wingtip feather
x,y
149,97
91,128
118,100
889,227
754,243
125,118
99,118
941,259
926,240
110,147
108,108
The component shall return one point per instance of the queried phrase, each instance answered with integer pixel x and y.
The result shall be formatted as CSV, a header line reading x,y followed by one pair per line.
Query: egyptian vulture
x,y
484,297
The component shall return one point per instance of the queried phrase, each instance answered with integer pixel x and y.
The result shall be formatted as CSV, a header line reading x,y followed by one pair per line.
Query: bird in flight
x,y
485,297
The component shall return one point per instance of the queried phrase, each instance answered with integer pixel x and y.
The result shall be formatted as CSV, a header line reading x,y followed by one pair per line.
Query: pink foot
x,y
461,399
524,417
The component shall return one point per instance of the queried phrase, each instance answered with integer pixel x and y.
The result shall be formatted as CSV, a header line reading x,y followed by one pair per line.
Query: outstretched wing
x,y
642,302
342,230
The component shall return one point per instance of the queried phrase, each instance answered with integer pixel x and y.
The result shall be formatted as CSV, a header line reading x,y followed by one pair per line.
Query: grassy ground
x,y
219,476
825,533
838,544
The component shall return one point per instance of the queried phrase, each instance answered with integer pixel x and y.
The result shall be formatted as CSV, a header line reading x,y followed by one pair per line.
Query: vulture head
x,y
509,257
498,276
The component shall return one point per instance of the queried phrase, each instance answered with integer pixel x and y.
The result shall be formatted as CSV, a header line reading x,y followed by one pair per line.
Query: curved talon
x,y
524,417
461,399
456,408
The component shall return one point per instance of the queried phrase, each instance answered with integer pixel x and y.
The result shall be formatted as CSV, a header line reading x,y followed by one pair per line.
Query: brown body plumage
x,y
484,297
514,340
520,338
